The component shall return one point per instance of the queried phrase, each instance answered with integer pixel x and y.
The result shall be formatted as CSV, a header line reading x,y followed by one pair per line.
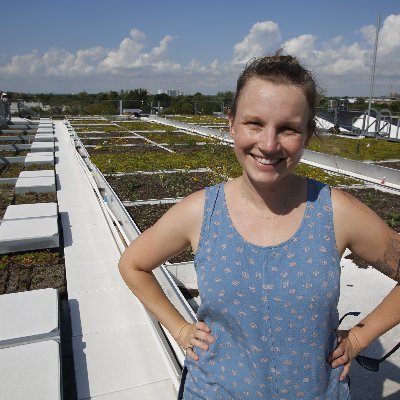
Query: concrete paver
x,y
40,311
36,181
31,371
29,227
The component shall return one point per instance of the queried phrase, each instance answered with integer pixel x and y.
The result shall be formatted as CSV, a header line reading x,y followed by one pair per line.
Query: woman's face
x,y
269,130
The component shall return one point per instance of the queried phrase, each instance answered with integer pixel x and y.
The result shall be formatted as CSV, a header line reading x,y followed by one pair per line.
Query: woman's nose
x,y
269,141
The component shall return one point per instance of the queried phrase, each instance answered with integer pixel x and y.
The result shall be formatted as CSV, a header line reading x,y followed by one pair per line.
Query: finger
x,y
203,332
202,326
340,361
199,334
336,353
199,343
345,371
192,354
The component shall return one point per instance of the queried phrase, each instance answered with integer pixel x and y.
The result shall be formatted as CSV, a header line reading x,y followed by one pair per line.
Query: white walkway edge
x,y
115,353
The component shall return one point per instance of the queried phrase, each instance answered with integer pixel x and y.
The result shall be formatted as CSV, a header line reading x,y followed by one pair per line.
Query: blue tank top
x,y
272,309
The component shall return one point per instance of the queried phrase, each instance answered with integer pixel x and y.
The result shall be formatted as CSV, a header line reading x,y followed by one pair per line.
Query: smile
x,y
266,161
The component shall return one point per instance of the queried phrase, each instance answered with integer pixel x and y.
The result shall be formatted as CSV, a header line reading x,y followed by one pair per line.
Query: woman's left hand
x,y
346,350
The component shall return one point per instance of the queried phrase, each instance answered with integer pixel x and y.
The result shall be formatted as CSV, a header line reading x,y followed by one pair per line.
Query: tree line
x,y
108,103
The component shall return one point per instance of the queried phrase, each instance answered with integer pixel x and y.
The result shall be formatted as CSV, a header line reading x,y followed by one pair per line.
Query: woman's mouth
x,y
267,161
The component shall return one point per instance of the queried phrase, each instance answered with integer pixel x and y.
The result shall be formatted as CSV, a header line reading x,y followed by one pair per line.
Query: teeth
x,y
265,161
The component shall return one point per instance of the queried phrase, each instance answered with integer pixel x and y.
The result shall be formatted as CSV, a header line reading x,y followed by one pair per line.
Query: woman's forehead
x,y
260,95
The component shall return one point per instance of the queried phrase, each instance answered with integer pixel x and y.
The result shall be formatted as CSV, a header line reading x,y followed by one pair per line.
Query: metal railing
x,y
378,124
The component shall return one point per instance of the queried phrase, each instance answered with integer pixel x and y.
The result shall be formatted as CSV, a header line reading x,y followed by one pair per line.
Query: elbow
x,y
124,266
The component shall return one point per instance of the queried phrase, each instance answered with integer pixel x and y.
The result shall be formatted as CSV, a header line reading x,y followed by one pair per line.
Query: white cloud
x,y
26,64
55,62
345,67
388,55
263,37
127,53
341,68
303,46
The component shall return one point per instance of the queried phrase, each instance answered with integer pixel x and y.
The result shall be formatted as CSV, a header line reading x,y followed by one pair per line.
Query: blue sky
x,y
67,47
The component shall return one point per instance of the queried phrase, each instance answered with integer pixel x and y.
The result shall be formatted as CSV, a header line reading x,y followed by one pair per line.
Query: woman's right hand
x,y
192,336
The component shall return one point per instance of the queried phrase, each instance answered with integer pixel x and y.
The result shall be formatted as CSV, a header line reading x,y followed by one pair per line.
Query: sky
x,y
201,46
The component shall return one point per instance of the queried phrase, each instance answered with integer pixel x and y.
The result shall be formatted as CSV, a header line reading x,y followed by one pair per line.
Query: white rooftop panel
x,y
26,234
80,276
117,307
40,153
36,181
117,360
45,173
39,158
28,316
31,210
44,137
30,372
42,146
29,227
155,390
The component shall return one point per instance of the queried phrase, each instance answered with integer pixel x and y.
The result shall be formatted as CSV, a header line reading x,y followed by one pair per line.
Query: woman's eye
x,y
253,124
290,131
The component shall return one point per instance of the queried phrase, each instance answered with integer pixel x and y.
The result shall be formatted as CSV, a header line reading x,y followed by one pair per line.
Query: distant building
x,y
36,104
170,92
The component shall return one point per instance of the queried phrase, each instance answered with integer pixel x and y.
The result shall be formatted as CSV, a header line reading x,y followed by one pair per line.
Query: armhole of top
x,y
323,195
328,196
209,205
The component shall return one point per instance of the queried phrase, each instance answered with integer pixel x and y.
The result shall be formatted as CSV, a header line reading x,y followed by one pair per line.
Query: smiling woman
x,y
267,250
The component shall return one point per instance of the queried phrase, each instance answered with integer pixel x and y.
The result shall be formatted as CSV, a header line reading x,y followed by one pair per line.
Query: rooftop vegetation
x,y
356,149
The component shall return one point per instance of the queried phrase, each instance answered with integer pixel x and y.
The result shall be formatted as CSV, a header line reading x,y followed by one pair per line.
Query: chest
x,y
261,231
301,270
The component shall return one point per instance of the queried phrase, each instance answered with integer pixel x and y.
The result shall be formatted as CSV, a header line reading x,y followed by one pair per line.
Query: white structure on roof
x,y
30,351
42,181
28,227
117,354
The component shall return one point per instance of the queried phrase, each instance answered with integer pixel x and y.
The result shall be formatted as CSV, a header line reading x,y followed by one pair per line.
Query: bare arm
x,y
366,235
174,232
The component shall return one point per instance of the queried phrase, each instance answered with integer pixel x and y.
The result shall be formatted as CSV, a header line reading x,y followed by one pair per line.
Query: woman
x,y
267,250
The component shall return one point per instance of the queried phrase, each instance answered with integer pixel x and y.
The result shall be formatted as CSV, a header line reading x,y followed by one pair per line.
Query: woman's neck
x,y
277,199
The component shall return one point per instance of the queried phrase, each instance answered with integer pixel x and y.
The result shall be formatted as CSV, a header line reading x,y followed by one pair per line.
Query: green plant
x,y
393,219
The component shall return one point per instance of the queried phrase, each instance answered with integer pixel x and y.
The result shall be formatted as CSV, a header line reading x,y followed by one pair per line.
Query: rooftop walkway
x,y
116,354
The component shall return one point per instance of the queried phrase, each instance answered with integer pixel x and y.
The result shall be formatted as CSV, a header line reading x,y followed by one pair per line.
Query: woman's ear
x,y
231,129
308,140
311,131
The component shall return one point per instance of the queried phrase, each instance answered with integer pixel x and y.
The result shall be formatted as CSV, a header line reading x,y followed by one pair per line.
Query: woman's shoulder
x,y
344,200
355,221
194,201
193,204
